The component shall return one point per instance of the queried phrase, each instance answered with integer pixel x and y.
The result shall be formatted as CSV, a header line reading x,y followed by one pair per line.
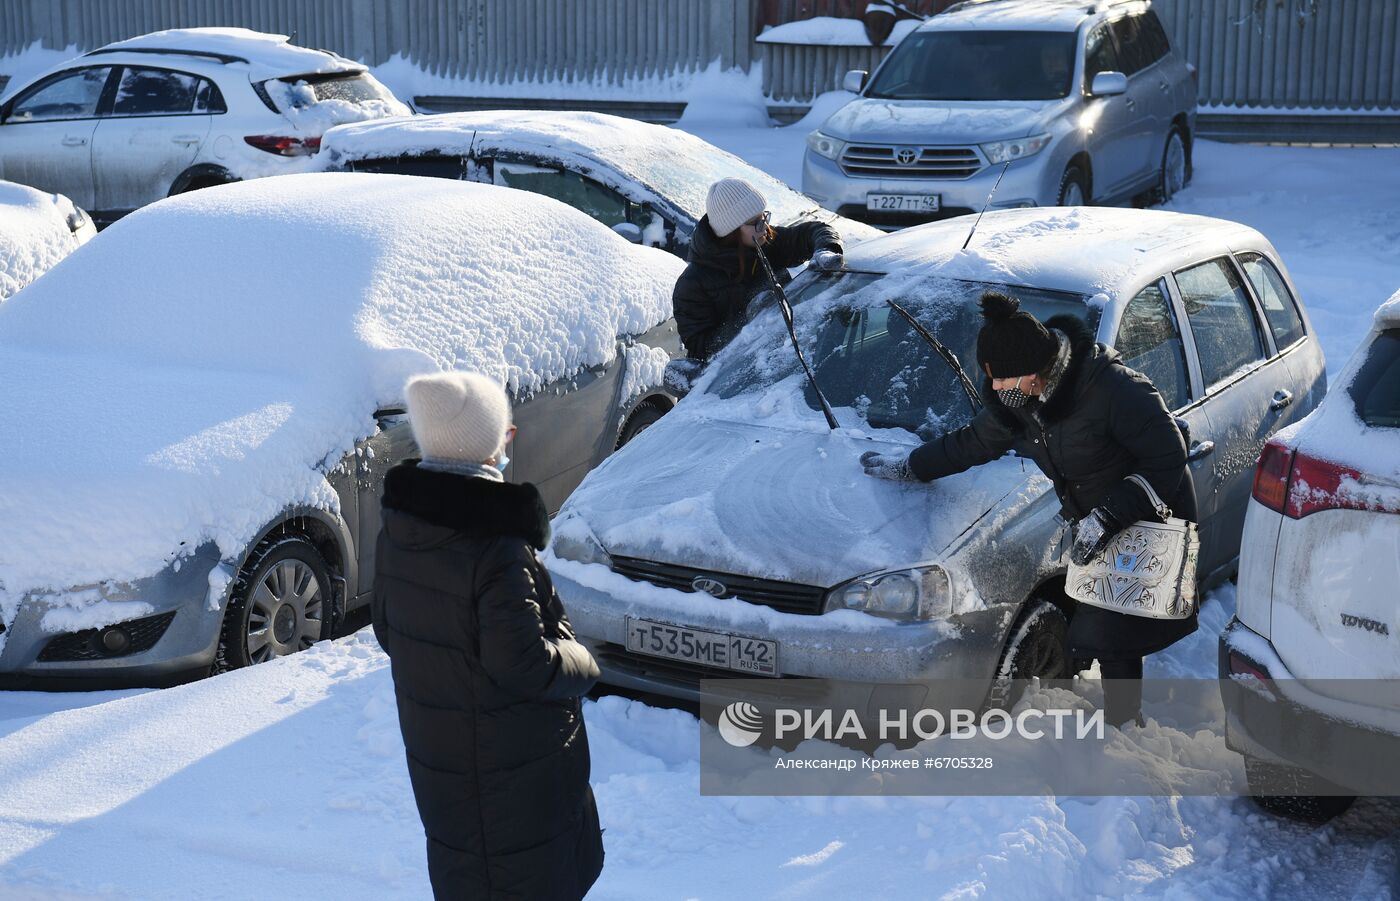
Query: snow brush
x,y
792,333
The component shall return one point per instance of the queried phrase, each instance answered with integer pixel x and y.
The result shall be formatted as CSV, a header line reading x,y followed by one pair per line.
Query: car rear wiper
x,y
792,333
948,356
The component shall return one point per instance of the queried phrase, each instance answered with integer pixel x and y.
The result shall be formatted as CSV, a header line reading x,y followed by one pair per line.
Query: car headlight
x,y
574,541
924,592
1020,148
825,145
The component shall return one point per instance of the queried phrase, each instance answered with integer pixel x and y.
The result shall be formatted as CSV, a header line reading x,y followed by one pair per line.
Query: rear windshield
x,y
978,65
306,90
1376,388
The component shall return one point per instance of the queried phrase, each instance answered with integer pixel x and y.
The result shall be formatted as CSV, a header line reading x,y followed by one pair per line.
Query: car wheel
x,y
1038,648
280,604
1174,167
1291,792
1073,188
644,417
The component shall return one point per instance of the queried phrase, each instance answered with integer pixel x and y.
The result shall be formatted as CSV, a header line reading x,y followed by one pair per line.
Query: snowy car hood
x,y
774,503
932,122
34,234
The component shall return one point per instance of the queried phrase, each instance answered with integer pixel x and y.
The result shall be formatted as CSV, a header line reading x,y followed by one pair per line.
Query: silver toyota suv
x,y
1068,103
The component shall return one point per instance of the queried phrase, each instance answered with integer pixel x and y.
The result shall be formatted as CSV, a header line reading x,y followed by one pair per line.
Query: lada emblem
x,y
712,587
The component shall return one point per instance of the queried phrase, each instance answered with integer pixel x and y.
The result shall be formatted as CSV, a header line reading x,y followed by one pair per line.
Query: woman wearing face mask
x,y
724,272
1089,422
487,674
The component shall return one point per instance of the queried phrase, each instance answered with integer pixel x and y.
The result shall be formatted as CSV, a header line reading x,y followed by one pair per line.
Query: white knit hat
x,y
460,417
732,202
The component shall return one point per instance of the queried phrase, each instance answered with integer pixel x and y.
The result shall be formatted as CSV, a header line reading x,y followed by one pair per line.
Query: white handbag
x,y
1148,569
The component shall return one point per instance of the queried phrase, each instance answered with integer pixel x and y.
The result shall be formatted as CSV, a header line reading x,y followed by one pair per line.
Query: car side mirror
x,y
1109,84
629,230
681,374
854,80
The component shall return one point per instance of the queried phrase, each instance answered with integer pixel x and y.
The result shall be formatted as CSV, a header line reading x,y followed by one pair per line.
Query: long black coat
x,y
714,291
1102,423
487,675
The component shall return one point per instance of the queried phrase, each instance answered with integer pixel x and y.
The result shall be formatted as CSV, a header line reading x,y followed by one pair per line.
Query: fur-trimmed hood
x,y
1086,361
478,508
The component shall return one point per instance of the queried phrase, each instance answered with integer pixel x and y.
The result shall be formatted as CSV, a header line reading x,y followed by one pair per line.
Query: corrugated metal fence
x,y
1339,54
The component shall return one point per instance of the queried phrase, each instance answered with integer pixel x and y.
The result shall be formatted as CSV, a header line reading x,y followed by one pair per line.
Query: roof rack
x,y
221,57
1089,6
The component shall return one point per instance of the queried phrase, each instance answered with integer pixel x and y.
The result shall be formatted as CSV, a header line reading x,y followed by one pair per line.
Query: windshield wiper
x,y
948,356
792,333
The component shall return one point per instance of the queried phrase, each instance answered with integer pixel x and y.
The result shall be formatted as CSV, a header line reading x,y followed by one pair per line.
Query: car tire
x,y
280,603
1038,648
1074,188
1300,803
645,416
1176,166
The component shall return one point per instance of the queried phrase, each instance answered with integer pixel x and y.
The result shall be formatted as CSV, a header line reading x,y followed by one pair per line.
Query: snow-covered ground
x,y
288,780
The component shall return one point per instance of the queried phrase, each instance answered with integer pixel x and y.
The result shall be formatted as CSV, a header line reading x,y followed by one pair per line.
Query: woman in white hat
x,y
724,273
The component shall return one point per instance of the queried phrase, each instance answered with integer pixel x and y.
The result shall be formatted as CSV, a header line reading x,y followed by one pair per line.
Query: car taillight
x,y
1271,475
284,145
1240,666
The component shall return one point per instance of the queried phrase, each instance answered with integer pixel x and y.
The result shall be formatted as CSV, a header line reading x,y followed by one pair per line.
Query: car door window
x,y
74,95
584,194
156,92
1222,320
1150,342
1099,55
1280,309
1155,37
1132,49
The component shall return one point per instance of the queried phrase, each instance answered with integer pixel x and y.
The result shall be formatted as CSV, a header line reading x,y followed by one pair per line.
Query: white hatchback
x,y
1319,589
173,111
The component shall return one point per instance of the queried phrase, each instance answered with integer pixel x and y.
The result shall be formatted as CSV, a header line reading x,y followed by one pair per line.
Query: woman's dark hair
x,y
747,258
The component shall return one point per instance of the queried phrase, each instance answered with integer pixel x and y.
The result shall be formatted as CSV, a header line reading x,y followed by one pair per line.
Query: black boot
x,y
1122,691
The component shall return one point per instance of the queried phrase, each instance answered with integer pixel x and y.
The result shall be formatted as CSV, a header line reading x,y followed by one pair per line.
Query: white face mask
x,y
1013,397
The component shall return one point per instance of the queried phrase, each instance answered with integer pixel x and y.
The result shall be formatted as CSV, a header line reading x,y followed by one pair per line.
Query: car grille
x,y
787,597
881,161
83,645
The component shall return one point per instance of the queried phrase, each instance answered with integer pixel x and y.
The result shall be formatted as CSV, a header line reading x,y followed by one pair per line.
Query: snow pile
x,y
199,368
730,98
267,55
34,234
829,31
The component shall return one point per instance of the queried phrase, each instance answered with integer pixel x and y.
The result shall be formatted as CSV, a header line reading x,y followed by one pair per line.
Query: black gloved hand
x,y
894,467
1092,534
828,260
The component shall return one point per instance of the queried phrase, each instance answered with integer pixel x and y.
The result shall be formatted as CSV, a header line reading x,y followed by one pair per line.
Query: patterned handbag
x,y
1148,569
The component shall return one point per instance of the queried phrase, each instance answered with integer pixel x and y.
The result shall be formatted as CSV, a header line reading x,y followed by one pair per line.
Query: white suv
x,y
1050,102
1316,627
172,111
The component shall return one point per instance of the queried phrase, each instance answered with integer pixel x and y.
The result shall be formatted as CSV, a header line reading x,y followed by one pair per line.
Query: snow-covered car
x,y
1315,625
647,182
1060,101
204,401
739,535
36,231
173,111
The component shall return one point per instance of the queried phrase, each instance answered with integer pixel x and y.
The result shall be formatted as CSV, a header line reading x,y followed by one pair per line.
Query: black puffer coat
x,y
487,675
1103,422
714,291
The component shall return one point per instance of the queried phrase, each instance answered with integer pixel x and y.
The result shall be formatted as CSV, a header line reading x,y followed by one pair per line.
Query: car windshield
x,y
355,88
1376,387
875,370
978,65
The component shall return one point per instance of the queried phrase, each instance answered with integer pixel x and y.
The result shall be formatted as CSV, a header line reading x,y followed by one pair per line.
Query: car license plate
x,y
756,656
903,203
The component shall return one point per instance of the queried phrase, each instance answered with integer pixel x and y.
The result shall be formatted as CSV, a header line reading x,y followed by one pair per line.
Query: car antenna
x,y
985,204
792,333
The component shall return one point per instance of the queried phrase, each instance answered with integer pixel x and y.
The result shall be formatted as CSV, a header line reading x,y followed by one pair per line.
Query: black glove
x,y
827,259
894,467
1092,534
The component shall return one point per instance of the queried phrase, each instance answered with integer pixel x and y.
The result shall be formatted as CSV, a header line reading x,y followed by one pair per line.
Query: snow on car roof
x,y
1388,314
268,55
666,161
34,234
194,371
1017,15
1087,250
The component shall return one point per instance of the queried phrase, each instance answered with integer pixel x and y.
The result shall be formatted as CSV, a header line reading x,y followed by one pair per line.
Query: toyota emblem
x,y
906,156
712,587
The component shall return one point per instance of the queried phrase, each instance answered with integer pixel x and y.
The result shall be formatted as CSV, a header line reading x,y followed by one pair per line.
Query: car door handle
x,y
1164,87
1200,449
72,141
1131,104
186,139
1282,398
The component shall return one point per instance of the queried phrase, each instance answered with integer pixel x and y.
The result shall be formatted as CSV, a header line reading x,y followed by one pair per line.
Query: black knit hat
x,y
1012,342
